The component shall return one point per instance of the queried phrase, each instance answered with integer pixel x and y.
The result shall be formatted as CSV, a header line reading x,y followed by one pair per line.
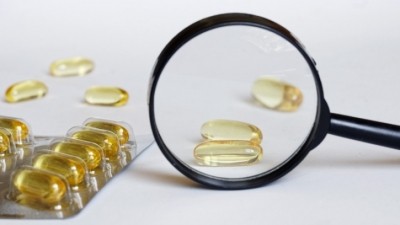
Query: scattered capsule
x,y
38,186
119,130
108,142
278,95
25,90
5,143
231,130
106,95
228,153
73,170
88,153
18,129
76,66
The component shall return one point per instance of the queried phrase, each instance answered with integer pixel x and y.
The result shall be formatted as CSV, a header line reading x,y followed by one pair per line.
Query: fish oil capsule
x,y
108,142
73,170
278,95
19,130
76,66
227,153
90,154
119,130
106,95
231,130
5,143
32,186
25,90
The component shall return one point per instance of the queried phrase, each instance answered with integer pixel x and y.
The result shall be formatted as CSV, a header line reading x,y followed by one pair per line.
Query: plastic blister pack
x,y
56,177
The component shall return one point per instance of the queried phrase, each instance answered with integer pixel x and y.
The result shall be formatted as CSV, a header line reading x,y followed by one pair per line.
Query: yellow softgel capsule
x,y
72,169
106,95
228,153
109,143
88,153
231,130
119,130
76,66
4,143
276,94
25,90
38,186
18,129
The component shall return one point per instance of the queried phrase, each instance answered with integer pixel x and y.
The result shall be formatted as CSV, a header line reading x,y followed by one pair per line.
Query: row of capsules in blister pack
x,y
58,178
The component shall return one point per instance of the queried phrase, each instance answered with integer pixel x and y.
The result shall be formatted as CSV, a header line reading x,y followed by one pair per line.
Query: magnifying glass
x,y
236,102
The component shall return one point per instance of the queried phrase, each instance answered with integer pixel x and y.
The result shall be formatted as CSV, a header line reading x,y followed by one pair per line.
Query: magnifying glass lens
x,y
235,102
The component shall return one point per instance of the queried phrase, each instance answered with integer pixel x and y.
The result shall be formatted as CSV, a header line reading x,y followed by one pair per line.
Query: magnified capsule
x,y
119,130
275,94
38,186
73,170
227,153
25,90
109,143
76,66
4,143
231,130
88,153
18,129
107,96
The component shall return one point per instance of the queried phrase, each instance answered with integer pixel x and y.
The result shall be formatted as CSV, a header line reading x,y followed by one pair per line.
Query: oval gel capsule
x,y
119,130
73,170
88,153
109,143
276,94
228,153
107,96
25,90
231,130
37,186
18,129
76,66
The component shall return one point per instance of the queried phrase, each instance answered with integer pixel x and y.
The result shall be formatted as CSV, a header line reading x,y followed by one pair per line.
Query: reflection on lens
x,y
231,130
227,153
275,94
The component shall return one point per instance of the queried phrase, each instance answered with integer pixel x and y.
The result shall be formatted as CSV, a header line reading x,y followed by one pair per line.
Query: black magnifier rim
x,y
198,28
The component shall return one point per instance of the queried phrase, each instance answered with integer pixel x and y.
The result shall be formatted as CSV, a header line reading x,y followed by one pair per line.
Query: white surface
x,y
355,43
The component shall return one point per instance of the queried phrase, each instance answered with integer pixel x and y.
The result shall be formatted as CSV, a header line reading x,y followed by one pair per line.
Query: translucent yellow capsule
x,y
109,143
38,186
278,95
25,90
72,169
231,130
88,153
107,96
76,66
228,153
4,143
18,129
119,130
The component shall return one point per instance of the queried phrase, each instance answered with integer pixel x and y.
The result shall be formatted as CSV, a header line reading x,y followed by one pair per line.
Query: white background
x,y
356,44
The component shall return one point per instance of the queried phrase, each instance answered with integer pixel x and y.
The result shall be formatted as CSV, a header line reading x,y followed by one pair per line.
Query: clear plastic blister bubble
x,y
58,176
124,133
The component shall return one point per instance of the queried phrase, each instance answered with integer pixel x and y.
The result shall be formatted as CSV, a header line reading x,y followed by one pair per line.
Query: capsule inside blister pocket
x,y
91,153
72,168
20,130
8,154
40,189
124,132
107,140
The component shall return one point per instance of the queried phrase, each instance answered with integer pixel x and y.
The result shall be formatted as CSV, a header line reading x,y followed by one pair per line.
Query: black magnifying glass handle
x,y
373,132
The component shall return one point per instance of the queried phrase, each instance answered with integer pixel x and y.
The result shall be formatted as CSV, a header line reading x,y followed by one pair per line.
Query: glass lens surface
x,y
232,83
